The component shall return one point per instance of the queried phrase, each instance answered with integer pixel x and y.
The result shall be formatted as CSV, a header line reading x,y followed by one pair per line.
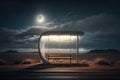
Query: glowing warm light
x,y
40,18
60,38
60,43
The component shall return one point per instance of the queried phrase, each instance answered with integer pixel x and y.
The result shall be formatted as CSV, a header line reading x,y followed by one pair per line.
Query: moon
x,y
40,18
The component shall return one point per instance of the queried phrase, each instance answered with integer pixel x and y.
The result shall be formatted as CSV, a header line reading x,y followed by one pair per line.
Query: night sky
x,y
98,19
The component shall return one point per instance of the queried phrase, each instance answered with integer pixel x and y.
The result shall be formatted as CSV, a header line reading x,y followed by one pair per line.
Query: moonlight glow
x,y
40,18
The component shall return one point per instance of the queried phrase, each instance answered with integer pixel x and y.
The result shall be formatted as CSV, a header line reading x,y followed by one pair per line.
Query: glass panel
x,y
58,44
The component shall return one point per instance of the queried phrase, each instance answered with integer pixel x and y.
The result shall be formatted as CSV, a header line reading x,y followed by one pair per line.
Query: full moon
x,y
40,18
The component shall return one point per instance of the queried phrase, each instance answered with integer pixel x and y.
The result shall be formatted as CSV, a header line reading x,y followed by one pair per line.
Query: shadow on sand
x,y
45,66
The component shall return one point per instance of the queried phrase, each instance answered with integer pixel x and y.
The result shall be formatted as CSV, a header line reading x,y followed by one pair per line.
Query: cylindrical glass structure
x,y
59,42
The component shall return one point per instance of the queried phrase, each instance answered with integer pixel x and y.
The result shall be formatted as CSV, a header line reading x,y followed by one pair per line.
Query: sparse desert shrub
x,y
112,63
2,62
84,63
102,61
38,61
18,62
118,62
27,61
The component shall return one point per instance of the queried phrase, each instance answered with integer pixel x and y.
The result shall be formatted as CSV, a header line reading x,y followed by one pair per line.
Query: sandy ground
x,y
59,69
16,67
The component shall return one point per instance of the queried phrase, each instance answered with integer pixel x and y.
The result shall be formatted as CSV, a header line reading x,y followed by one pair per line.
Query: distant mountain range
x,y
90,52
104,51
10,51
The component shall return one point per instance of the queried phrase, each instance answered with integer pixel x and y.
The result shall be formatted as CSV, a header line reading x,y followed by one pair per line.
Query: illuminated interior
x,y
59,44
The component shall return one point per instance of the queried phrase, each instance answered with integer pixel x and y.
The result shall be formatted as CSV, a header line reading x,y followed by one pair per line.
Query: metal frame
x,y
77,33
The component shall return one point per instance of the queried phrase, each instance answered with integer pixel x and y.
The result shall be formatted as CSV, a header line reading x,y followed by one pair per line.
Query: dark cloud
x,y
13,39
18,17
93,23
101,31
6,37
31,31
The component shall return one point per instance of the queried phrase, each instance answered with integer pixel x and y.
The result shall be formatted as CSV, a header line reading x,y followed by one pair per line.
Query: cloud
x,y
13,39
91,24
101,31
6,36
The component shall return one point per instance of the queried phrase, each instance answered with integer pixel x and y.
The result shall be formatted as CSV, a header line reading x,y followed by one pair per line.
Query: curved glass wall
x,y
62,43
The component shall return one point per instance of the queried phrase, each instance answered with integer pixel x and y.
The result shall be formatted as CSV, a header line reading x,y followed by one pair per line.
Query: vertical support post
x,y
70,48
48,46
48,57
70,58
59,43
77,45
